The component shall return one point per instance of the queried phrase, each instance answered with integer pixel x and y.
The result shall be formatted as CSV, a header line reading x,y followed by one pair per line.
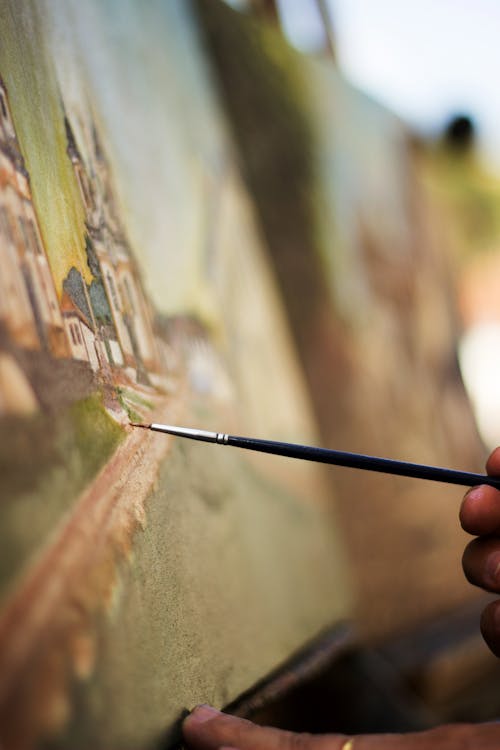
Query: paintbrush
x,y
326,456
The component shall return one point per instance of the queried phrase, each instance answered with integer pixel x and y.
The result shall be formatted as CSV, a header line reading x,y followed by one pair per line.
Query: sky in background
x,y
425,59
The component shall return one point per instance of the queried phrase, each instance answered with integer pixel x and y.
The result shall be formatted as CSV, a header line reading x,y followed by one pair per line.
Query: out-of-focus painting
x,y
138,575
364,253
366,222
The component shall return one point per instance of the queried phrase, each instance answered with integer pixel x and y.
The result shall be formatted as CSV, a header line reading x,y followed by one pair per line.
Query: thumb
x,y
493,463
208,729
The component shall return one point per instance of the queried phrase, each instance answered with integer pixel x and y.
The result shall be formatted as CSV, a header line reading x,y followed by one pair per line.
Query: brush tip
x,y
137,424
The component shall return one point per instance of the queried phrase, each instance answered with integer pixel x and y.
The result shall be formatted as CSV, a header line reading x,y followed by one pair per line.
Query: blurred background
x,y
367,135
432,66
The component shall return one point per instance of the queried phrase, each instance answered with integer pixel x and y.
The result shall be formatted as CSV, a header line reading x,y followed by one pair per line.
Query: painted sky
x,y
154,104
39,120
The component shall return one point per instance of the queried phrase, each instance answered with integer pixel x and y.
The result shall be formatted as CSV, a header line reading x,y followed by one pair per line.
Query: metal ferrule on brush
x,y
205,435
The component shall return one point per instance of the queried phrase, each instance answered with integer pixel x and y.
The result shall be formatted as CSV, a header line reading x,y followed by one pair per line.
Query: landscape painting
x,y
134,287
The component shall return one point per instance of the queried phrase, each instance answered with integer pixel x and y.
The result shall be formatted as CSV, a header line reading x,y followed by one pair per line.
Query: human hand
x,y
208,729
480,515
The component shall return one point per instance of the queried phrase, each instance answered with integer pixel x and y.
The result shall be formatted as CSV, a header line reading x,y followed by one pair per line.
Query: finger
x,y
252,737
208,729
480,510
481,563
490,626
493,463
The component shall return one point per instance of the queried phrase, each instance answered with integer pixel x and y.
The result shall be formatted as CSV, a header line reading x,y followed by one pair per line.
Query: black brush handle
x,y
358,461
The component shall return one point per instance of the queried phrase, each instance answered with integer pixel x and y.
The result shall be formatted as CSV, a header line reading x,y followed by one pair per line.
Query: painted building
x,y
129,309
81,336
16,311
29,306
136,311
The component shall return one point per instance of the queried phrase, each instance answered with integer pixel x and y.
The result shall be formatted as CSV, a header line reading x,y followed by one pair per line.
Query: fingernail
x,y
473,493
203,713
493,569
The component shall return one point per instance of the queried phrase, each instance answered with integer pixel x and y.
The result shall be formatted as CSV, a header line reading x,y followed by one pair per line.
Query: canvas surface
x,y
139,575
